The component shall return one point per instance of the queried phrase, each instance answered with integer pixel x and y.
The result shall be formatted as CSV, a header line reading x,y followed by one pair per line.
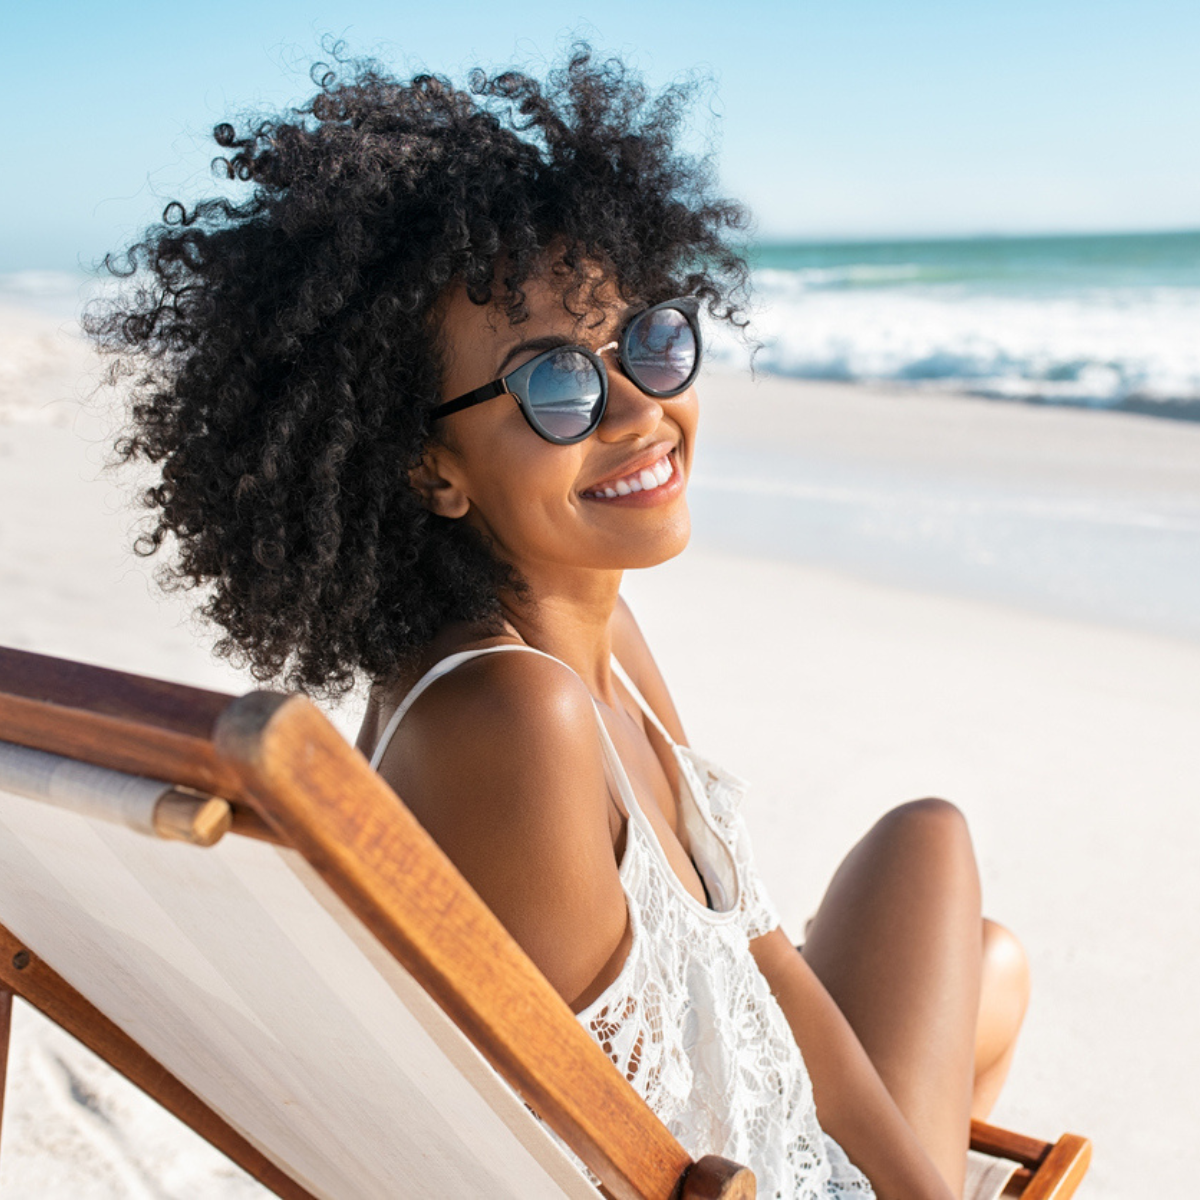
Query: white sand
x,y
1072,747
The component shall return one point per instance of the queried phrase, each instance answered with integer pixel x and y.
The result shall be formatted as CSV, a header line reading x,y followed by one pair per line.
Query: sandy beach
x,y
901,642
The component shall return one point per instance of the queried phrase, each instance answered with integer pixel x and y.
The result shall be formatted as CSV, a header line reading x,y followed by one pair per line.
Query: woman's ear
x,y
438,493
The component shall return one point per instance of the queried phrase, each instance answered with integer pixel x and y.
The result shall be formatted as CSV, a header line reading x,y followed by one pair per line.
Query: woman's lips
x,y
659,481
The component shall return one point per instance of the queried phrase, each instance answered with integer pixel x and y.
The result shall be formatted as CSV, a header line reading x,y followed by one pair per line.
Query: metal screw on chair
x,y
22,959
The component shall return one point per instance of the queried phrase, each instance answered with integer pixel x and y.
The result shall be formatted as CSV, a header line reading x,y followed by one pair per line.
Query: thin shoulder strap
x,y
623,676
444,667
612,759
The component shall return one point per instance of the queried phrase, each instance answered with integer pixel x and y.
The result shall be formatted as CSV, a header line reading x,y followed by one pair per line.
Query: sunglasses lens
x,y
661,350
565,393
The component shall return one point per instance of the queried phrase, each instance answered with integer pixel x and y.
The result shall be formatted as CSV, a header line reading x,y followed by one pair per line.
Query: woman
x,y
418,402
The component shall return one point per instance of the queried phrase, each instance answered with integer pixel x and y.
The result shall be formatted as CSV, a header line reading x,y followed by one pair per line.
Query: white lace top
x,y
690,1020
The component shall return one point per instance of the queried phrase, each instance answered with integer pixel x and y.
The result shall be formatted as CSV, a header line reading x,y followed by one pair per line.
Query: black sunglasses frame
x,y
514,383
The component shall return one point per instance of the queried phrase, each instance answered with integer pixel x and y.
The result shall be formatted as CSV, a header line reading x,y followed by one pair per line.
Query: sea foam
x,y
1009,334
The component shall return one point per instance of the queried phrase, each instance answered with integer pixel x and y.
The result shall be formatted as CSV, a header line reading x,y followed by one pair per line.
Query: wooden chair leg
x,y
6,999
1062,1170
37,984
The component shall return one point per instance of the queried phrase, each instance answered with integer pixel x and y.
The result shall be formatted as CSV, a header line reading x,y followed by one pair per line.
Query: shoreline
x,y
41,345
876,421
1070,513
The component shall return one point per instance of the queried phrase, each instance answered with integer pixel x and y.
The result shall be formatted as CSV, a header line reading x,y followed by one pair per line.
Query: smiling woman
x,y
418,402
290,342
641,442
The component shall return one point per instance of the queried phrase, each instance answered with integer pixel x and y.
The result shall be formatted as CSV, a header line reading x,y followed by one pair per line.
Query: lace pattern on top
x,y
690,1020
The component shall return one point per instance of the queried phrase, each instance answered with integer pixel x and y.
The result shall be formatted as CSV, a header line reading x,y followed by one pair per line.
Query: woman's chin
x,y
671,541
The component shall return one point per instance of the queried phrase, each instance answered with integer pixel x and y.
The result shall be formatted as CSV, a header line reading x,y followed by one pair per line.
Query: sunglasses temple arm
x,y
469,399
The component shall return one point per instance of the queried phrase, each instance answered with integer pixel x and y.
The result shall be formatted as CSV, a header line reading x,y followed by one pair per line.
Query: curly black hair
x,y
284,351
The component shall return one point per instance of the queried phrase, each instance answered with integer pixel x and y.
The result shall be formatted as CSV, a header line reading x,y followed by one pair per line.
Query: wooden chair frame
x,y
290,778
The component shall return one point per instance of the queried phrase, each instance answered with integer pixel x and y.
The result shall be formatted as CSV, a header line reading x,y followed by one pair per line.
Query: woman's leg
x,y
897,941
1002,1004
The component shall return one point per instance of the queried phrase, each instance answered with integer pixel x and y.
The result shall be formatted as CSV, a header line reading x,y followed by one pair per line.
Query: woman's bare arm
x,y
500,761
853,1105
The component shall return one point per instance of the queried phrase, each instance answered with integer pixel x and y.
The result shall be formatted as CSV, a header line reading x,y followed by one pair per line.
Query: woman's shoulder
x,y
504,702
512,692
502,763
479,676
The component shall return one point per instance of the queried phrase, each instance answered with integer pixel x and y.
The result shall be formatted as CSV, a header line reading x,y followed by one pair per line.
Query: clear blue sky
x,y
850,118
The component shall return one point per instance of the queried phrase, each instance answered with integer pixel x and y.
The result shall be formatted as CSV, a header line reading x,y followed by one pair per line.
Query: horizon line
x,y
857,239
808,239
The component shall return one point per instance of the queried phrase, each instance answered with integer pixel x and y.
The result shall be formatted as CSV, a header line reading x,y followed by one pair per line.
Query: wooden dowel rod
x,y
247,823
1003,1143
150,806
183,816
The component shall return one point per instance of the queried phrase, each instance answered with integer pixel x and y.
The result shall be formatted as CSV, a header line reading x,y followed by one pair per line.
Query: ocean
x,y
1109,322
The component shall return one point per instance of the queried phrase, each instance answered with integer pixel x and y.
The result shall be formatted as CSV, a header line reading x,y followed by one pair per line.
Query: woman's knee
x,y
928,825
926,846
1006,979
916,864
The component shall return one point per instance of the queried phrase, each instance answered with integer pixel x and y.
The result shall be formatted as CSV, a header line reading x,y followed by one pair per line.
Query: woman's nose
x,y
630,411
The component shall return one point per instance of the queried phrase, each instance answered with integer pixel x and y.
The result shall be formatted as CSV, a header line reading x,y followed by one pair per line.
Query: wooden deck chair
x,y
310,984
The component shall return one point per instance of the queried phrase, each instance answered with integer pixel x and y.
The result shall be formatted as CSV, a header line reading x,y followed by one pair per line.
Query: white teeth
x,y
645,480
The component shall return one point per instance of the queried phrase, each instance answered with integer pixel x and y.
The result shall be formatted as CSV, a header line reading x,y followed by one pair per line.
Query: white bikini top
x,y
690,1020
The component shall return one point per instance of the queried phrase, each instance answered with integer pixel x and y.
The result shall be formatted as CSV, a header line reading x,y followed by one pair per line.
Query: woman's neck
x,y
571,619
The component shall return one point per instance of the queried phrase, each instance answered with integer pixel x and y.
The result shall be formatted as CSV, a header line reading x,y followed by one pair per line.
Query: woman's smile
x,y
640,486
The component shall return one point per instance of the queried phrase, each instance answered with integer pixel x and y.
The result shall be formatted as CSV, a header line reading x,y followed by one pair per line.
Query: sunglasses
x,y
563,392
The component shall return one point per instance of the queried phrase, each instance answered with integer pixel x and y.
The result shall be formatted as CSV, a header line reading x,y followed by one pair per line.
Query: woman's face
x,y
545,506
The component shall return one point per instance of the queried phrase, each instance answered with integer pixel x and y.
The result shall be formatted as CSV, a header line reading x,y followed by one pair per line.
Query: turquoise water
x,y
1022,264
1107,321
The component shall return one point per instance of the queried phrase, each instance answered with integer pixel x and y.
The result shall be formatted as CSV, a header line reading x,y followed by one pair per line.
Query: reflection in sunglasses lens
x,y
661,349
565,391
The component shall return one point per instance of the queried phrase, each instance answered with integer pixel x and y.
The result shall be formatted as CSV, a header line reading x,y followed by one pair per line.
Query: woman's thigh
x,y
898,943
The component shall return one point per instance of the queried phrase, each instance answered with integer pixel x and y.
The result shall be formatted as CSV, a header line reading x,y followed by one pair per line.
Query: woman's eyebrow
x,y
550,341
